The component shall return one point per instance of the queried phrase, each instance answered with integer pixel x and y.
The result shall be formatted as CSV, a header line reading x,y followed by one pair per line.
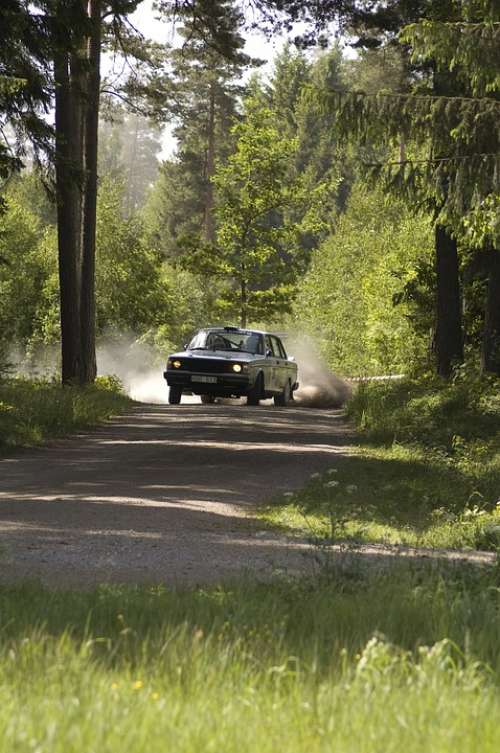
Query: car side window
x,y
276,347
282,349
269,345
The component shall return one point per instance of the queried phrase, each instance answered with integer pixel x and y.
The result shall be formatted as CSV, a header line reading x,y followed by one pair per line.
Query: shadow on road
x,y
161,493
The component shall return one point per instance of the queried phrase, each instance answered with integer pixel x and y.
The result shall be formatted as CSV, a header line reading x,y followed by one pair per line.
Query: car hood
x,y
221,355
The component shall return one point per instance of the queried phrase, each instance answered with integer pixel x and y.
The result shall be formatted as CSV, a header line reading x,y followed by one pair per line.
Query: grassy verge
x,y
402,662
427,471
33,411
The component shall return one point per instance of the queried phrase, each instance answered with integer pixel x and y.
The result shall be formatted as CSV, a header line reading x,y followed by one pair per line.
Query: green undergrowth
x,y
409,660
426,471
32,411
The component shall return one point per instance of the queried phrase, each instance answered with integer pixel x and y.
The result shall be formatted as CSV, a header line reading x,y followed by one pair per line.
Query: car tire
x,y
284,398
174,395
207,399
257,391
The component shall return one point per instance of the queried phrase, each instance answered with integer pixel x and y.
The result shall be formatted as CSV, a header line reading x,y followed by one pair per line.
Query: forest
x,y
315,575
350,193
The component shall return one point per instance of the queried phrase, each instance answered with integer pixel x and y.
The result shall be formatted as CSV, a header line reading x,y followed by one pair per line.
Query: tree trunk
x,y
208,220
130,203
91,124
68,219
243,302
490,353
449,341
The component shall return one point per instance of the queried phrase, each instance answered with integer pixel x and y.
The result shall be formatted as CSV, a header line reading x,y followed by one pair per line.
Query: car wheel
x,y
285,397
207,399
174,395
256,392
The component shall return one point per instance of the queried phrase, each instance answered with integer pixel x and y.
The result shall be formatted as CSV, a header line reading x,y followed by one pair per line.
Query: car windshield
x,y
231,340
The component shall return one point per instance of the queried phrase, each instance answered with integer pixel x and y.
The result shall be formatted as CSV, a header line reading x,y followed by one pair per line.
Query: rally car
x,y
232,362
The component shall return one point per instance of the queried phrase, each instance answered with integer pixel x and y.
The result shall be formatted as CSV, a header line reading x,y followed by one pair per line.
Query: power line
x,y
458,157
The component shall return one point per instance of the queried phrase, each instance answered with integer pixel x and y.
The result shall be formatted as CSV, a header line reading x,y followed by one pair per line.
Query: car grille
x,y
206,365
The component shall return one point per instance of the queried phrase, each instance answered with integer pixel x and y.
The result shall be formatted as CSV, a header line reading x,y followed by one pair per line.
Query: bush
x,y
32,411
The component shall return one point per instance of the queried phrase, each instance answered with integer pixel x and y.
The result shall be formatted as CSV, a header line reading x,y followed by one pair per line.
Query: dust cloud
x,y
137,366
319,387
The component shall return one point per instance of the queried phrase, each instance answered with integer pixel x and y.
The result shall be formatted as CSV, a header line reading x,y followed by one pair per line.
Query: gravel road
x,y
162,494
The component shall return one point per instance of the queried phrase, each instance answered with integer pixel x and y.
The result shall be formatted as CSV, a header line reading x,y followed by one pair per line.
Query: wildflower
x,y
331,484
332,470
138,684
351,488
317,475
114,686
155,696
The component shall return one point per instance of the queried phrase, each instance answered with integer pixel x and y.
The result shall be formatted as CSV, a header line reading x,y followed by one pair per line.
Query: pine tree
x,y
129,146
453,127
206,72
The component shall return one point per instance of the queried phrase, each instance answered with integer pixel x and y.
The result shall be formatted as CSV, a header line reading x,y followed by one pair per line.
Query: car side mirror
x,y
269,353
185,346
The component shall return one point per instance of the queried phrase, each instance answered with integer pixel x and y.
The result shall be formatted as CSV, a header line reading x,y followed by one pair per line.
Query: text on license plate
x,y
209,379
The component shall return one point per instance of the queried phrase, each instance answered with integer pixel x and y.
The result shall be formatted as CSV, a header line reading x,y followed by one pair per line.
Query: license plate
x,y
204,379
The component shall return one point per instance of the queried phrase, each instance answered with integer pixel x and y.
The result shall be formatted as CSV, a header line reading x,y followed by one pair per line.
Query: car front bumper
x,y
219,385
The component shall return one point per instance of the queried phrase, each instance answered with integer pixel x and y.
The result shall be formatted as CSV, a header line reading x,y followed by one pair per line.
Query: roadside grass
x,y
32,411
408,660
427,471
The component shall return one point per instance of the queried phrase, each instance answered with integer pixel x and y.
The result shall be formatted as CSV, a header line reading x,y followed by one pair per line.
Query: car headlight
x,y
175,364
237,367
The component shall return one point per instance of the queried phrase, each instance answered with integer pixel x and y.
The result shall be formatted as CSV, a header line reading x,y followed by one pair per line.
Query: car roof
x,y
243,330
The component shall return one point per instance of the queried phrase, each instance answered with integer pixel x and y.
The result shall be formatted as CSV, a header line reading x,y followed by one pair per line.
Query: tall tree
x,y
206,73
454,134
69,29
257,244
469,50
129,148
25,85
77,41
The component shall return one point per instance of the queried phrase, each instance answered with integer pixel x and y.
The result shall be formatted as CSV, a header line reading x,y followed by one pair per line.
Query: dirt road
x,y
162,495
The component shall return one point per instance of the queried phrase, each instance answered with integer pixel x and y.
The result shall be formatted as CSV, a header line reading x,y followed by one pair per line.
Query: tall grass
x,y
426,472
407,661
34,410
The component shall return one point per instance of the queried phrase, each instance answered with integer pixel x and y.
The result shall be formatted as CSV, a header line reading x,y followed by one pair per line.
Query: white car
x,y
233,362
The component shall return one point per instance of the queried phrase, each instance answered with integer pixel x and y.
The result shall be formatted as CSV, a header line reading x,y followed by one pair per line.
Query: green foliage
x,y
346,299
133,289
430,411
25,275
482,228
130,289
257,244
406,660
174,207
129,146
291,73
451,116
25,94
378,70
33,411
206,86
469,48
192,303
